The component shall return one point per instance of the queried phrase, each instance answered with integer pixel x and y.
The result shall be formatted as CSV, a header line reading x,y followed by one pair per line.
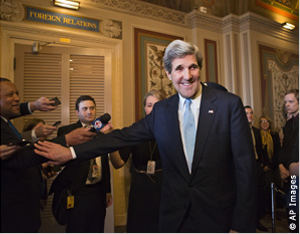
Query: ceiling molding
x,y
238,24
141,9
195,19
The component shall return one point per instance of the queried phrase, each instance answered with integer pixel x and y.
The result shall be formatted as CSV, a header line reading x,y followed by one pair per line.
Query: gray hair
x,y
180,49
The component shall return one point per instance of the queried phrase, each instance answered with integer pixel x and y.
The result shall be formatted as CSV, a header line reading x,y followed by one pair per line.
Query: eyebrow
x,y
192,65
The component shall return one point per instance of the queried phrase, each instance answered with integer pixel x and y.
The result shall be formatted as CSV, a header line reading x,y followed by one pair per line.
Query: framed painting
x,y
279,72
149,49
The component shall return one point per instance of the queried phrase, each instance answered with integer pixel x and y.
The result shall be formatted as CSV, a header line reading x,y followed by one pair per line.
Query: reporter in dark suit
x,y
91,196
20,175
213,192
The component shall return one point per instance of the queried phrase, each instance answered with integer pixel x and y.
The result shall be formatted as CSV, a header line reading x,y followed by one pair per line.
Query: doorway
x,y
66,73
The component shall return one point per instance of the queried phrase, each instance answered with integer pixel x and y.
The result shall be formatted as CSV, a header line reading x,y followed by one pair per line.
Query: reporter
x,y
20,192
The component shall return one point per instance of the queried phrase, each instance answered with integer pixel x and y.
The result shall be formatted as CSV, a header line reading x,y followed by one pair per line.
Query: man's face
x,y
10,101
291,104
86,111
185,76
249,113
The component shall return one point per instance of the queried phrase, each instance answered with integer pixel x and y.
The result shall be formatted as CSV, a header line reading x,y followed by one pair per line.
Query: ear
x,y
169,75
77,112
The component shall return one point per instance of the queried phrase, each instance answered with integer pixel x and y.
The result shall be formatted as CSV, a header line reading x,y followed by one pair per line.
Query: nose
x,y
186,74
16,97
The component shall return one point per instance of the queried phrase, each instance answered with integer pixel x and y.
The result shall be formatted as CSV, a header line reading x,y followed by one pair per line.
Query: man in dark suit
x,y
212,191
290,141
290,132
261,162
21,181
88,180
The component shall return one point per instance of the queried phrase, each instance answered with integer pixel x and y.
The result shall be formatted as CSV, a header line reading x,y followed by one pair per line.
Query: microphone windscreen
x,y
105,118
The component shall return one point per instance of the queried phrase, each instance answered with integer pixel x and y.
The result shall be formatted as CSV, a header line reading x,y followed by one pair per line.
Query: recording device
x,y
100,122
56,123
56,103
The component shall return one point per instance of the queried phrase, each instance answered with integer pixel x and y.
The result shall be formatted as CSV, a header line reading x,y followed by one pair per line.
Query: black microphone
x,y
100,122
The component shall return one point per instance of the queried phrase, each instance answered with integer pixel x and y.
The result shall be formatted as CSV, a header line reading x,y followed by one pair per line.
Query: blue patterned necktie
x,y
15,130
189,132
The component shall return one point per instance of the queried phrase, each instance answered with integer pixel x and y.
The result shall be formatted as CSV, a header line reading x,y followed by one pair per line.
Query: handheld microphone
x,y
100,122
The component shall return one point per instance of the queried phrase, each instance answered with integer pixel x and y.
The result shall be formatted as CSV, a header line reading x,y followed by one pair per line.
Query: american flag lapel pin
x,y
210,111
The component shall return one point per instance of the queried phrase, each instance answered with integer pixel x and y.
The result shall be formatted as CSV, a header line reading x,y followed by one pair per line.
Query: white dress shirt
x,y
195,107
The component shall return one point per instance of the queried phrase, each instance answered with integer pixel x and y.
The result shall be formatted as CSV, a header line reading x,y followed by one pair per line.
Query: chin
x,y
189,94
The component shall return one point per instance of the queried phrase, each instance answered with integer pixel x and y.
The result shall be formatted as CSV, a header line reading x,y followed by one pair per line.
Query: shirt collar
x,y
85,125
196,101
6,120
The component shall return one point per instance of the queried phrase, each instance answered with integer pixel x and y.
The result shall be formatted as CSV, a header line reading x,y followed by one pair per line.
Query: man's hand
x,y
42,104
108,200
57,154
107,128
6,151
294,168
43,130
284,173
79,135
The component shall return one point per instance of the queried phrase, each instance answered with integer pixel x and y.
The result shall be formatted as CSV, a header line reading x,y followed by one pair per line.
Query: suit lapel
x,y
208,111
78,124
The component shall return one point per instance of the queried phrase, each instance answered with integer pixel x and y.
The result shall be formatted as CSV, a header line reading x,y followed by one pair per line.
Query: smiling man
x,y
206,150
21,179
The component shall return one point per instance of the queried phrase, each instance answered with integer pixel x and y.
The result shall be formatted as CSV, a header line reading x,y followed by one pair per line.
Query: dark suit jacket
x,y
75,174
21,186
291,132
221,189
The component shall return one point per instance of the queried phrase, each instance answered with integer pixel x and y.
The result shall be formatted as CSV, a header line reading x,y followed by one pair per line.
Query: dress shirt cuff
x,y
33,136
29,108
73,152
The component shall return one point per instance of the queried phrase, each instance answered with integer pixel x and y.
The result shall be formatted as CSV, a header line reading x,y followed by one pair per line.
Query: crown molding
x,y
238,24
197,19
141,9
12,11
255,22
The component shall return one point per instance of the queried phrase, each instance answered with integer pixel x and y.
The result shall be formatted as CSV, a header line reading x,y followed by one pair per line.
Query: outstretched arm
x,y
42,104
6,151
57,154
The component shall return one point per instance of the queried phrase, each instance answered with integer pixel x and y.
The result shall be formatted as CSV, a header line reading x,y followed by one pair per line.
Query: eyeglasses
x,y
264,121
